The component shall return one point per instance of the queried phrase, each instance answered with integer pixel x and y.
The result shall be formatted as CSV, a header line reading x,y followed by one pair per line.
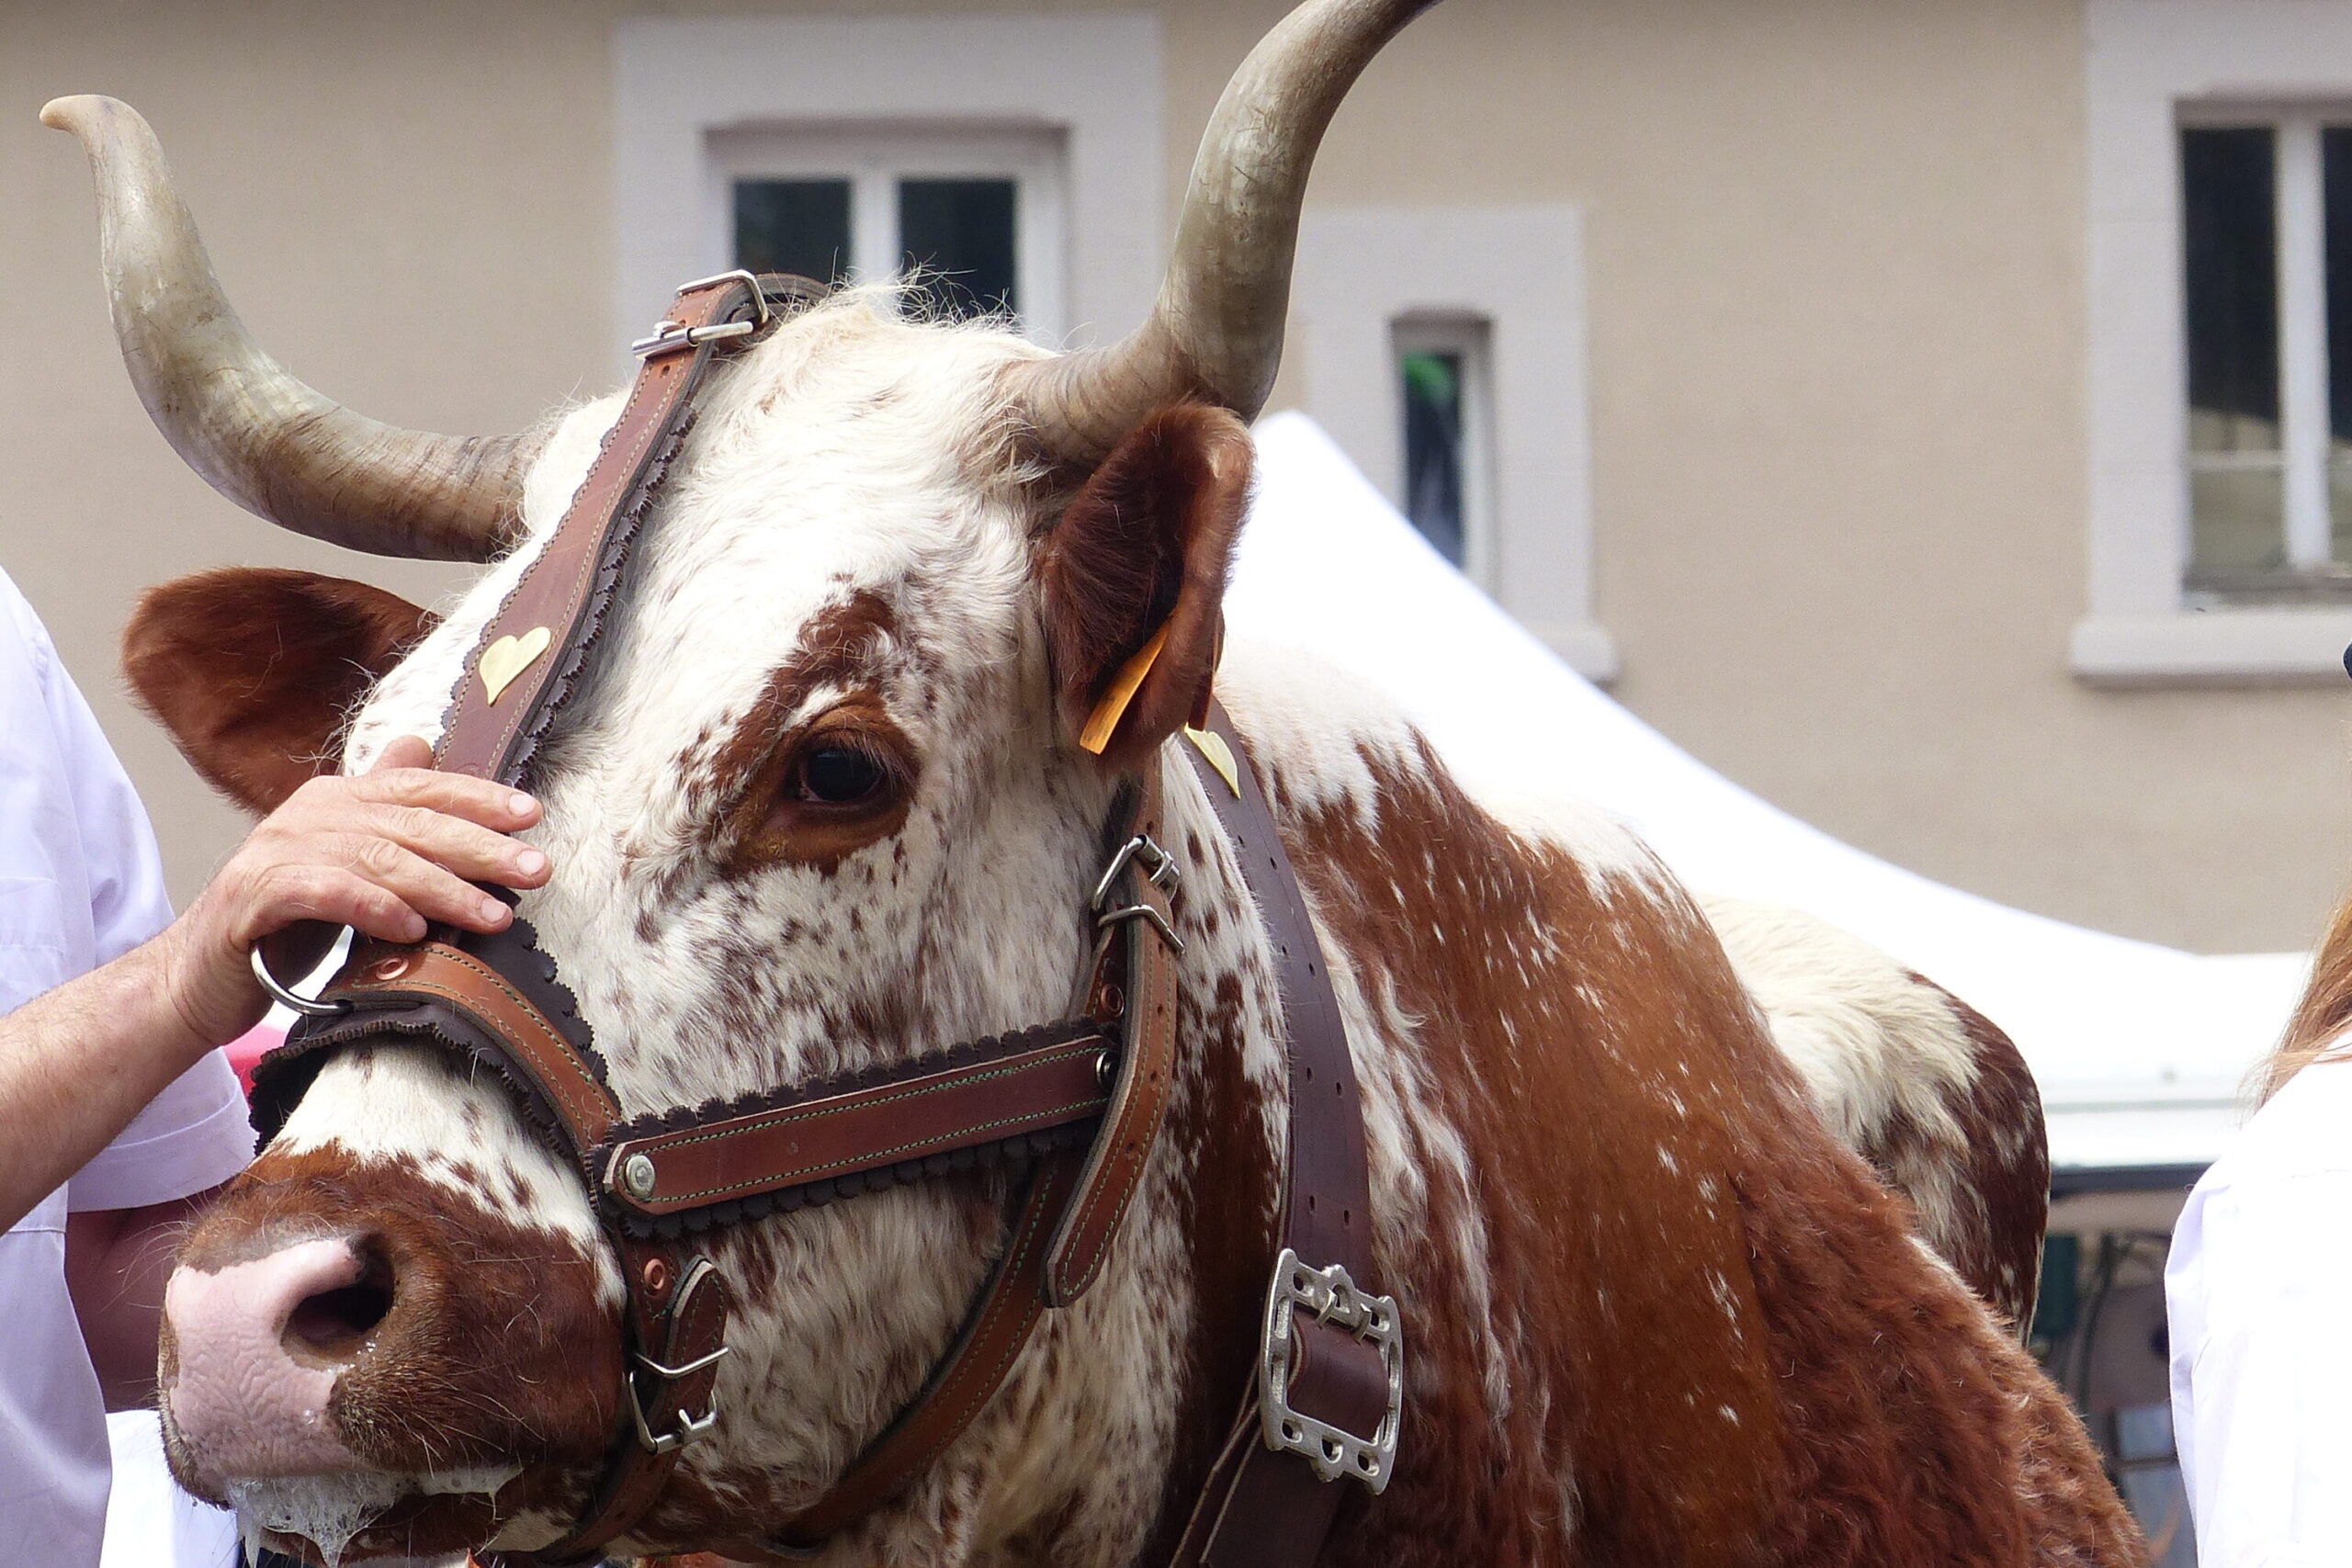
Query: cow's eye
x,y
839,775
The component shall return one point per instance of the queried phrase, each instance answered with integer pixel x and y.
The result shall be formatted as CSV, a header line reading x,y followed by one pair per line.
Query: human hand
x,y
383,852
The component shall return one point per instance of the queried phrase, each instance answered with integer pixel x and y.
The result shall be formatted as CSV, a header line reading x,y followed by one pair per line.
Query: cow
x,y
820,806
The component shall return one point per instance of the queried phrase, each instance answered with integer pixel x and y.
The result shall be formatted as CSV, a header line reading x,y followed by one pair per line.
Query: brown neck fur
x,y
1718,1341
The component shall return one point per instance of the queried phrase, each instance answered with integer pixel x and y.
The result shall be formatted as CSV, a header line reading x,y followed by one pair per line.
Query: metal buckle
x,y
669,336
690,1427
1333,1298
1161,872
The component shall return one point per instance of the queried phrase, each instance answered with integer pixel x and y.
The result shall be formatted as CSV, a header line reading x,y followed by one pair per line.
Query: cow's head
x,y
818,806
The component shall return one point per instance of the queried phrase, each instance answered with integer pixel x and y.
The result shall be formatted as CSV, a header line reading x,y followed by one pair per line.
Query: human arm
x,y
382,852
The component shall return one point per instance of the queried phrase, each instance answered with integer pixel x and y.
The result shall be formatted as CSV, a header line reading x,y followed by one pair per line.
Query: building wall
x,y
1837,307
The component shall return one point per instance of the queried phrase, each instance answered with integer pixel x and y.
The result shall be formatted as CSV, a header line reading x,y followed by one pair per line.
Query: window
x,y
1448,474
2266,283
1443,347
973,219
835,113
2215,148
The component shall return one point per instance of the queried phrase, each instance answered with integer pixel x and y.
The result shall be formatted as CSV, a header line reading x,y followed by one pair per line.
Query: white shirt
x,y
80,884
2258,1287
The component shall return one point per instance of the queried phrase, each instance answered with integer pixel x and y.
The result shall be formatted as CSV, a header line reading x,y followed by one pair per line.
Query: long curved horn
x,y
257,434
1216,332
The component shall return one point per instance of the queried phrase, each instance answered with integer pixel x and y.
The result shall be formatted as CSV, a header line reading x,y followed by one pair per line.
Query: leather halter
x,y
1079,1102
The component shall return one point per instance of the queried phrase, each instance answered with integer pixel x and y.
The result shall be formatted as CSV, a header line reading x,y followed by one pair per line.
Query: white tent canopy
x,y
2140,1050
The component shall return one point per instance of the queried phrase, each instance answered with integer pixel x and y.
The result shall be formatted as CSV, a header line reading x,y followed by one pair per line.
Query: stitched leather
x,y
959,1107
380,975
569,586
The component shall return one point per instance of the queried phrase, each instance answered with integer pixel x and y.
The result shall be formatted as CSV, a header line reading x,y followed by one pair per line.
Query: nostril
x,y
334,1324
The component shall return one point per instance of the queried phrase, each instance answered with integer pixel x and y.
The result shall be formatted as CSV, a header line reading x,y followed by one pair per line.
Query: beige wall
x,y
1837,314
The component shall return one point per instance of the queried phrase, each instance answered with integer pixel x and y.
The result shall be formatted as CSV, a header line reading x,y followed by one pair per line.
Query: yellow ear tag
x,y
1104,719
1212,746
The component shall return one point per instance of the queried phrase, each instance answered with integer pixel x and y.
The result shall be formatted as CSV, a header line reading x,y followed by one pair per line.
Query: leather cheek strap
x,y
1114,1165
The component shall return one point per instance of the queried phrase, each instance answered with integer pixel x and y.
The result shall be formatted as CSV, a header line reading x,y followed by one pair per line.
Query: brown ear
x,y
253,671
1146,545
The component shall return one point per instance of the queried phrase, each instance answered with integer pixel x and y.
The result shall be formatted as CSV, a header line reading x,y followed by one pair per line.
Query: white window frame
x,y
1470,340
1363,270
686,86
873,160
2150,67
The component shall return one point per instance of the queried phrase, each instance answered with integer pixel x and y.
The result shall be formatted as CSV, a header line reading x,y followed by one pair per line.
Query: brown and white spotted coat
x,y
1656,1312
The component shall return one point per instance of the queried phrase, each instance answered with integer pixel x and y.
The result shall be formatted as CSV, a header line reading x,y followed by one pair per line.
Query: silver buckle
x,y
1160,870
690,1427
1333,1298
669,336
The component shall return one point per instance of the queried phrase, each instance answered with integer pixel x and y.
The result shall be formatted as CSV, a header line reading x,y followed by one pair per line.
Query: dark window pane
x,y
793,226
957,236
2335,163
2335,167
2227,179
1433,448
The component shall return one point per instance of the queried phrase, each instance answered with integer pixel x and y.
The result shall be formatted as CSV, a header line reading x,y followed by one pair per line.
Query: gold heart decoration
x,y
509,656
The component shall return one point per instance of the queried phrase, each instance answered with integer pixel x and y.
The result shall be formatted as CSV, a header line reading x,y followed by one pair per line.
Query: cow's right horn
x,y
260,437
1214,334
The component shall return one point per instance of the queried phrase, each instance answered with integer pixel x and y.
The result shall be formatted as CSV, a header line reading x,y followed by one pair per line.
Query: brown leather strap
x,y
378,974
961,1385
1140,909
959,1107
1328,1212
534,648
1262,1508
669,1391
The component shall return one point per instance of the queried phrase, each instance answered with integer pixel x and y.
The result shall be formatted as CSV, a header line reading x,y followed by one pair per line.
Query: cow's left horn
x,y
260,437
1216,332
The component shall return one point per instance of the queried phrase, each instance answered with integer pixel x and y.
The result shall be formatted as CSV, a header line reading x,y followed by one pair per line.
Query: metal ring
x,y
309,1007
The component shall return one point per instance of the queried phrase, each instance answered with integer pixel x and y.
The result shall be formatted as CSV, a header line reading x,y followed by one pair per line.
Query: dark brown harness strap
x,y
979,1102
380,975
1269,1507
535,646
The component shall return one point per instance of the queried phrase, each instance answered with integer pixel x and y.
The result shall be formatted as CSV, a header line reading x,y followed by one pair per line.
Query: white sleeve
x,y
2269,1371
123,875
195,1134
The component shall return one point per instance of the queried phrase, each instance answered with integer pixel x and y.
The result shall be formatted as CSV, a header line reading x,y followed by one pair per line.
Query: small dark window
x,y
956,238
2230,231
1433,447
2336,177
799,226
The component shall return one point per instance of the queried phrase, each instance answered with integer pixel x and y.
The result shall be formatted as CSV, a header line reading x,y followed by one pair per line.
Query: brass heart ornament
x,y
509,656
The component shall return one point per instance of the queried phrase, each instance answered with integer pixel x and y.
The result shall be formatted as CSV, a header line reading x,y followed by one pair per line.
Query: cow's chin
x,y
388,1522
